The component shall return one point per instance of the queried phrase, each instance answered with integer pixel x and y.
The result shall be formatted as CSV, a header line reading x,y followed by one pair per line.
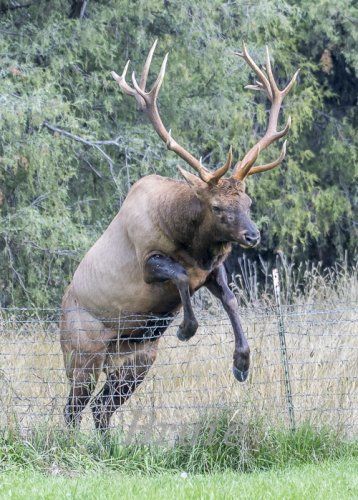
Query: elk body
x,y
169,239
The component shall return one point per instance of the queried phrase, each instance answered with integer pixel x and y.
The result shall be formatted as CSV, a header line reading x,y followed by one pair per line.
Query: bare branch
x,y
89,165
88,142
94,144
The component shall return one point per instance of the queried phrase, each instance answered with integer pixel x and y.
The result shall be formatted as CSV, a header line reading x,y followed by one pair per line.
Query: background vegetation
x,y
57,194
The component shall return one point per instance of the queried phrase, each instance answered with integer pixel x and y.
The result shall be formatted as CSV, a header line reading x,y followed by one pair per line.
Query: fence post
x,y
283,349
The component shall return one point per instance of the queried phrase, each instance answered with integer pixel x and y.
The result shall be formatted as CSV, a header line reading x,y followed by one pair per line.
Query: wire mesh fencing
x,y
190,380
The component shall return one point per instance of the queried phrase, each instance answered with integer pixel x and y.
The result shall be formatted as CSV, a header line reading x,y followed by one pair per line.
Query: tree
x,y
58,192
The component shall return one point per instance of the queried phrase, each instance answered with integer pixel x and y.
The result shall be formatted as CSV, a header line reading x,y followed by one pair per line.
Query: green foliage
x,y
58,194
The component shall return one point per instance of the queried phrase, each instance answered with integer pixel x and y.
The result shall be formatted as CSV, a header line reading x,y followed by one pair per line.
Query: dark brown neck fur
x,y
181,218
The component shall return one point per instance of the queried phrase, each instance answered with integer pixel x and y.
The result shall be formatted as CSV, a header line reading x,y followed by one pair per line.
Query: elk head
x,y
224,201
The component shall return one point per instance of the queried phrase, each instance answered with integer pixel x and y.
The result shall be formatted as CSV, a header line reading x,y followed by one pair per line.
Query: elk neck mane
x,y
181,216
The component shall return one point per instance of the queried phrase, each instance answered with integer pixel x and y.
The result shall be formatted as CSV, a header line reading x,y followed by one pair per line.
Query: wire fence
x,y
194,379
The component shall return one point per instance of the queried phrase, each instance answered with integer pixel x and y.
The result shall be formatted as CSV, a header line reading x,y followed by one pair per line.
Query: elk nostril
x,y
252,237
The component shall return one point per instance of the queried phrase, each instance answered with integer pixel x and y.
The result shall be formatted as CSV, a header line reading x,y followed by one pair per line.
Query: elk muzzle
x,y
249,237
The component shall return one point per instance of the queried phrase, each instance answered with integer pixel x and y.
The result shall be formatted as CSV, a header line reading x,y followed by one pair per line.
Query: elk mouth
x,y
247,246
249,239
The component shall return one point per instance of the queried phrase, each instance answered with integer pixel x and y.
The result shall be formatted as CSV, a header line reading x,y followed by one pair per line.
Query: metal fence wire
x,y
192,379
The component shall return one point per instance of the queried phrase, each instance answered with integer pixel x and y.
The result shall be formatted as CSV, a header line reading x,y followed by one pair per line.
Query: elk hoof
x,y
182,336
185,333
241,376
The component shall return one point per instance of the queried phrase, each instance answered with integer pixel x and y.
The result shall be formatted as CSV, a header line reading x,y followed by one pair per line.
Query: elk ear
x,y
195,184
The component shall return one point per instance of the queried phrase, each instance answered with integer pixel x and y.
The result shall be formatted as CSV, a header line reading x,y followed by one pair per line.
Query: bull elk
x,y
169,239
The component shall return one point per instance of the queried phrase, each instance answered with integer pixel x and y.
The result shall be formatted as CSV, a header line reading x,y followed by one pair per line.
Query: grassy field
x,y
257,463
331,480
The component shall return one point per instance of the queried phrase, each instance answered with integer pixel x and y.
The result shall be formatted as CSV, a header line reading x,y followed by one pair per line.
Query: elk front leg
x,y
218,286
160,268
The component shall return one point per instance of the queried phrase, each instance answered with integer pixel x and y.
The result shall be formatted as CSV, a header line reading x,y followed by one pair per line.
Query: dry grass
x,y
192,379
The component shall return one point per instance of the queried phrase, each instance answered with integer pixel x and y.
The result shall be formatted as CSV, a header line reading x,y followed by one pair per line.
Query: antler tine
x,y
121,80
148,103
215,176
261,75
273,164
286,90
245,167
158,82
148,62
153,94
285,129
268,83
258,86
271,78
254,87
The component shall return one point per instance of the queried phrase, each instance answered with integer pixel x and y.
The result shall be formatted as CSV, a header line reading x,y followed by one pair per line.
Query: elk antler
x,y
265,83
148,103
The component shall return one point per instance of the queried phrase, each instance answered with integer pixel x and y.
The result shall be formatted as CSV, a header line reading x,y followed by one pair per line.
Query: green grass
x,y
227,459
222,444
331,480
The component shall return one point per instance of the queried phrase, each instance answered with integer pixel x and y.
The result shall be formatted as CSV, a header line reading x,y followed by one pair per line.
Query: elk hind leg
x,y
83,383
122,383
84,340
83,370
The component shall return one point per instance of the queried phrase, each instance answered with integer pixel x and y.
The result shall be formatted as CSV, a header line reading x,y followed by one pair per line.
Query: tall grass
x,y
222,444
306,283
